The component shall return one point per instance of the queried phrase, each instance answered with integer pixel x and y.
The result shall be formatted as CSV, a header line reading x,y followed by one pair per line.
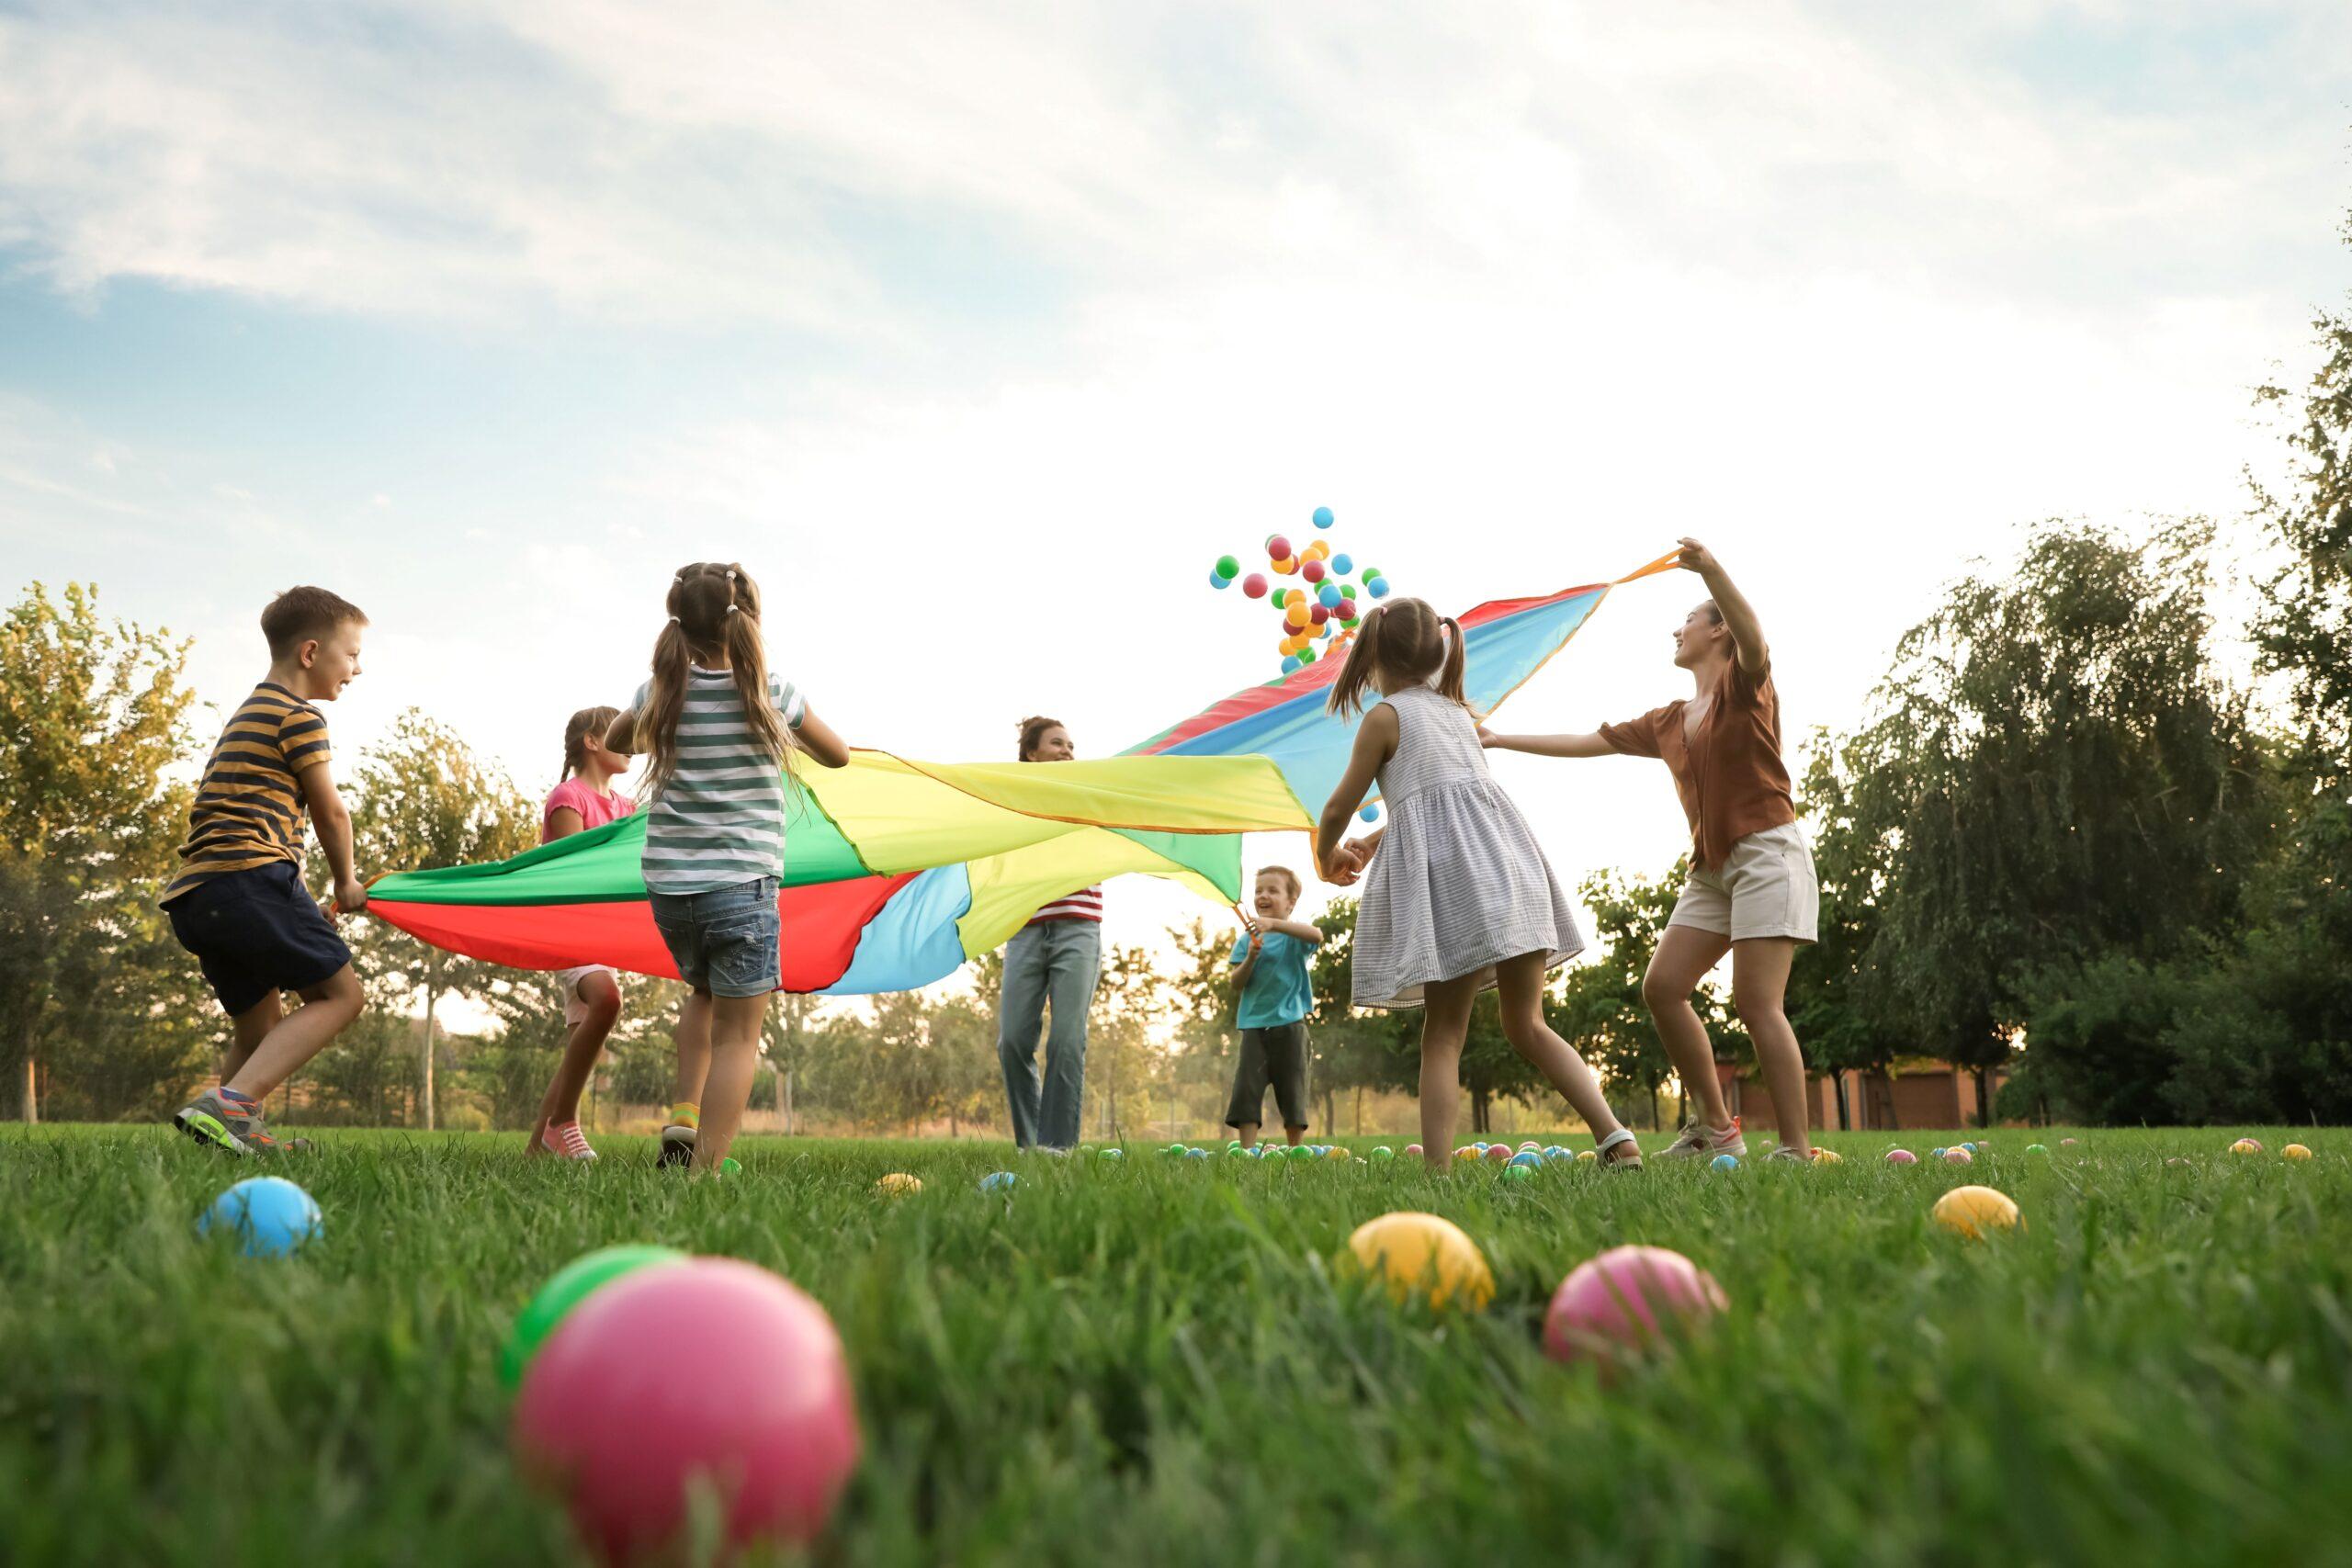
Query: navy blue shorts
x,y
255,932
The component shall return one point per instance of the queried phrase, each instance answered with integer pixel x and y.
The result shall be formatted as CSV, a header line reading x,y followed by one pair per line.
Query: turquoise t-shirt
x,y
1279,990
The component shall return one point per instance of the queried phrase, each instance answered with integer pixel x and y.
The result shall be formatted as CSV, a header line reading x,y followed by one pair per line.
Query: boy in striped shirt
x,y
238,903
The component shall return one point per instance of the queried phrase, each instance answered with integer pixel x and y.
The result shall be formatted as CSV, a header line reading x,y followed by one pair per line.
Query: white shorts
x,y
575,1008
1765,887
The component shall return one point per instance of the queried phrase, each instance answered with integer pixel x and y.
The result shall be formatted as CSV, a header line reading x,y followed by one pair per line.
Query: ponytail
x,y
1408,644
1449,676
713,606
1347,692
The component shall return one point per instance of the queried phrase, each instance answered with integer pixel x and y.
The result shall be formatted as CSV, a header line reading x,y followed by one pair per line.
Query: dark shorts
x,y
255,932
1272,1057
724,941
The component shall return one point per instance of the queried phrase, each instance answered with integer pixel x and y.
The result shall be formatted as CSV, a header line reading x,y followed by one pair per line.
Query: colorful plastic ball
x,y
1499,1153
1328,596
1480,1145
1306,656
1290,663
1302,1151
1421,1257
1113,1154
1628,1299
1901,1156
1286,566
1724,1162
1517,1172
1227,568
1529,1143
630,1438
2036,1149
999,1182
1958,1156
1527,1159
1313,570
1281,597
1297,614
1371,574
1828,1156
1254,585
2246,1146
1383,1154
1196,1153
269,1216
1322,517
1370,813
1343,564
1216,581
1345,610
2068,1142
566,1289
1332,1151
898,1184
1968,1144
1972,1211
1413,1149
1584,1154
1316,615
1277,547
1378,586
2294,1151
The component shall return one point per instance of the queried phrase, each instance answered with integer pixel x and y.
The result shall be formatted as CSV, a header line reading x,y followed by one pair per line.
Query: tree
x,y
92,714
1826,986
2054,771
1120,1054
427,800
1600,1009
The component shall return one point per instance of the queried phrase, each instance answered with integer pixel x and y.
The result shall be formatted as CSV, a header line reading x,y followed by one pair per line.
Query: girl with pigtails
x,y
720,732
1457,895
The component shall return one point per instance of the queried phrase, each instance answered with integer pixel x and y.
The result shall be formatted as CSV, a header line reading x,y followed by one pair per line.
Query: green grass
x,y
1158,1362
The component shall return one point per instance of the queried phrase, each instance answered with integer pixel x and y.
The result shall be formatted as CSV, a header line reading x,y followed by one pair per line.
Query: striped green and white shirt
x,y
719,819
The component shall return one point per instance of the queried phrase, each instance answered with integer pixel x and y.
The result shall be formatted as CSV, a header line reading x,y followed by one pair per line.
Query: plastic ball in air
x,y
1227,568
1254,585
1322,517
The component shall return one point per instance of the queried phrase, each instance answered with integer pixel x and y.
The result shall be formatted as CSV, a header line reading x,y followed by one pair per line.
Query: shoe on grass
x,y
222,1119
1698,1141
1785,1155
566,1141
677,1145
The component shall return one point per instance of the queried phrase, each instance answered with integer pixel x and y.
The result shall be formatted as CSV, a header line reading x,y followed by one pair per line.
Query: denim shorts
x,y
723,941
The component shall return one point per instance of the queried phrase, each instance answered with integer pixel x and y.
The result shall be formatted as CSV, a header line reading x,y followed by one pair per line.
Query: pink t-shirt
x,y
595,810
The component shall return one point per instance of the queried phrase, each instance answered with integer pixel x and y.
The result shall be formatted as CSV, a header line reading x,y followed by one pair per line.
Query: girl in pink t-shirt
x,y
592,993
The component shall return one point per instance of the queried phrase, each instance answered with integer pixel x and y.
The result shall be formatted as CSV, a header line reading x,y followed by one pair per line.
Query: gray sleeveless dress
x,y
1459,883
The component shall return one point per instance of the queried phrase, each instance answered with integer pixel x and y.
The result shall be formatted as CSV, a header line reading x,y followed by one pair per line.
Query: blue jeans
x,y
1056,962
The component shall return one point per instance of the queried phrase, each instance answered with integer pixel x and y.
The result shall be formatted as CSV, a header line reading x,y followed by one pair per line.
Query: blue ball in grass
x,y
1113,1154
1527,1159
269,1216
999,1182
1725,1162
1935,1154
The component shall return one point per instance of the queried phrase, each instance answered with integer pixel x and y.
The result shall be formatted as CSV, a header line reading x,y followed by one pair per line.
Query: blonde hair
x,y
714,606
585,723
1407,642
1290,879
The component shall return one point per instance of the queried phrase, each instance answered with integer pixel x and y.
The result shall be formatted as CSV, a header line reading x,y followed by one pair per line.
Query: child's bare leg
x,y
1248,1132
1445,1024
1521,983
1759,986
734,1056
1684,955
1296,1134
581,1043
693,1048
248,1030
301,1035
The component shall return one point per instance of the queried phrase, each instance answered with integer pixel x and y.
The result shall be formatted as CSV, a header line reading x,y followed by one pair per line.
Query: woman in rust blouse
x,y
1751,891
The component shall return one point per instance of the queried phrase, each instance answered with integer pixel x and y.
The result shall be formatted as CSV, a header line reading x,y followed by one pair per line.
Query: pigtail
x,y
1347,692
665,699
1449,678
747,656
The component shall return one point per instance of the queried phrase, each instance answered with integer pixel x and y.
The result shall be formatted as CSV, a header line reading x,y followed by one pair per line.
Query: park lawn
x,y
1159,1361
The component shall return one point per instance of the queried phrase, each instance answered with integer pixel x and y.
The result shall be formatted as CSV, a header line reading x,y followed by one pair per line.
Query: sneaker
x,y
1785,1155
220,1122
565,1139
677,1145
1698,1141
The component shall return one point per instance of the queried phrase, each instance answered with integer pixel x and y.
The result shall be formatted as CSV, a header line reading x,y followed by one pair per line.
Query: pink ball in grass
x,y
1626,1299
708,1372
1901,1156
1412,1148
1958,1156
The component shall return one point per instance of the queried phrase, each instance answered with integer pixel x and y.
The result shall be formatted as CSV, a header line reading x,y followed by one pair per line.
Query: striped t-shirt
x,y
1086,904
248,811
720,819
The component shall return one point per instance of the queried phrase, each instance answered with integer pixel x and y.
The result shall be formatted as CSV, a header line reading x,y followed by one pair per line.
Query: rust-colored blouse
x,y
1730,776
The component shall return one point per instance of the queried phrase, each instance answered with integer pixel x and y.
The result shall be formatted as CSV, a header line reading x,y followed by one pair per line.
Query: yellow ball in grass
x,y
1586,1155
1338,1153
2245,1147
1421,1256
1972,1211
1828,1156
2294,1151
897,1184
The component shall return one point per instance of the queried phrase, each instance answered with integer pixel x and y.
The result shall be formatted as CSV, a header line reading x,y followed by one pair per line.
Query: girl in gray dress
x,y
1458,897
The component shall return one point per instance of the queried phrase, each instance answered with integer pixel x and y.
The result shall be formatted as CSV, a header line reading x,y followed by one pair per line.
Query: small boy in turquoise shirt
x,y
1275,993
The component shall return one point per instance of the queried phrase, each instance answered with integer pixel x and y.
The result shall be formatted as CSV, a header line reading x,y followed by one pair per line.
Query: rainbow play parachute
x,y
897,873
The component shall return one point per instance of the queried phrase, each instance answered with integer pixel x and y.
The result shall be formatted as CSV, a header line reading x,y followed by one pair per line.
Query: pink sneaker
x,y
566,1139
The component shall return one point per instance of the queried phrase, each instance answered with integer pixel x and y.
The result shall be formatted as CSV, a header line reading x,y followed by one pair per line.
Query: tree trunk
x,y
1983,1097
431,999
1478,1106
1654,1126
1845,1120
1358,1111
31,1106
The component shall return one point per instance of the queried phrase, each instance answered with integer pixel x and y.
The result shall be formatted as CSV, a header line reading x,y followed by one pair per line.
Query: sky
x,y
978,334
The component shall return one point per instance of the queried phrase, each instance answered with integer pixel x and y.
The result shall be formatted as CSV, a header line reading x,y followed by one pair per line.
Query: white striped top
x,y
1086,904
719,819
